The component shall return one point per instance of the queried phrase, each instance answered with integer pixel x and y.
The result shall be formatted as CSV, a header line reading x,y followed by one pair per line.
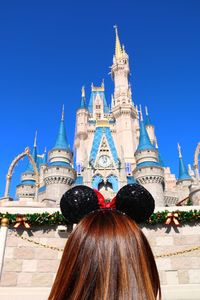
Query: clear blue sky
x,y
49,49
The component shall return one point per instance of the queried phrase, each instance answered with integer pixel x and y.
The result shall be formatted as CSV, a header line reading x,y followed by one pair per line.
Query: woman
x,y
107,257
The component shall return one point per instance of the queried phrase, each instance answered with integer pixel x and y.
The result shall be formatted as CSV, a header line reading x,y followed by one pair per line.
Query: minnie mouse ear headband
x,y
132,199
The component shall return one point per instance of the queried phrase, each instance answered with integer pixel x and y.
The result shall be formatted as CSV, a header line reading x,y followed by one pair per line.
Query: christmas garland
x,y
46,219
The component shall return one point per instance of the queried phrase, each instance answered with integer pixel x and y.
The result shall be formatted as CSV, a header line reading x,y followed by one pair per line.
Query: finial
x,y
146,111
45,149
102,83
63,113
35,140
156,144
141,116
83,92
179,151
118,49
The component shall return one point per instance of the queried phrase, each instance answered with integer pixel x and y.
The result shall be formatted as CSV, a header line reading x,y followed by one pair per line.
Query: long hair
x,y
107,257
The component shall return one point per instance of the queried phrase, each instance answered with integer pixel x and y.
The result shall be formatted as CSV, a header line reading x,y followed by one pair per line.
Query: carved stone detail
x,y
150,179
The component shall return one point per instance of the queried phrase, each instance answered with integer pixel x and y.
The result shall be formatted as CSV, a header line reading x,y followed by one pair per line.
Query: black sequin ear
x,y
78,202
135,201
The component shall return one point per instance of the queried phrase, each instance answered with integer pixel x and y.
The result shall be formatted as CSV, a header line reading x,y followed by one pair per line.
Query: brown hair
x,y
107,257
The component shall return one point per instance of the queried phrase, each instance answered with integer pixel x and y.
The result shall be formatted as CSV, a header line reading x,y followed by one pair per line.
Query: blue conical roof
x,y
29,168
61,140
83,102
45,157
183,173
148,120
144,141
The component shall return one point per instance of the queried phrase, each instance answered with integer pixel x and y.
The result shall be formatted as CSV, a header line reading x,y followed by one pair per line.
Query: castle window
x,y
98,116
98,106
128,168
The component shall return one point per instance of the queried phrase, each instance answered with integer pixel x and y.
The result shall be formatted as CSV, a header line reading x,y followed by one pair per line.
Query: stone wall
x,y
29,265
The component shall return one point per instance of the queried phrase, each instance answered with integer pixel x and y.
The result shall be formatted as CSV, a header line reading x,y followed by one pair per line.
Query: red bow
x,y
21,220
172,218
102,203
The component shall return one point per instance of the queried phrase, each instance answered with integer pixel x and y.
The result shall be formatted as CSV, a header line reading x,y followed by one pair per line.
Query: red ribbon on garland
x,y
21,220
172,218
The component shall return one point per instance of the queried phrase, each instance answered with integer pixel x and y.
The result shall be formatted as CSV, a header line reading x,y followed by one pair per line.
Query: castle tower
x,y
123,109
26,189
148,171
81,134
184,179
60,174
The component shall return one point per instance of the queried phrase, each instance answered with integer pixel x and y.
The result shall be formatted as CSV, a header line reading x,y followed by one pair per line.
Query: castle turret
x,y
60,174
123,109
148,171
81,131
26,189
184,179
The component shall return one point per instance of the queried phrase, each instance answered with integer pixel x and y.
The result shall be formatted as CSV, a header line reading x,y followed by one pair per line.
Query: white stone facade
x,y
106,145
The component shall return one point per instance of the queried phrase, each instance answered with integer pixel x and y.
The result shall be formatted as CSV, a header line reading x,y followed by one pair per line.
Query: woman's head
x,y
107,257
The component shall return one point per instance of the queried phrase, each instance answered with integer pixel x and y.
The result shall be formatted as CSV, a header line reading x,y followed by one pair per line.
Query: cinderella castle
x,y
114,145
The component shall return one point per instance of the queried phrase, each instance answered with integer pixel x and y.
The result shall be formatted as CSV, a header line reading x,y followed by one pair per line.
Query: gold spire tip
x,y
141,116
118,49
63,113
83,92
179,151
35,139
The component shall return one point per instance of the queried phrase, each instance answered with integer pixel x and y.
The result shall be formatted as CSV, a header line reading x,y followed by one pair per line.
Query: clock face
x,y
104,161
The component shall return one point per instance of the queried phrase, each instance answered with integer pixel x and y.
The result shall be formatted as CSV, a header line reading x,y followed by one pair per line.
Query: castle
x,y
115,145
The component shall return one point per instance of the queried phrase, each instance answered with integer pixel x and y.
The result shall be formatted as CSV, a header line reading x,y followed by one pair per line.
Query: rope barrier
x,y
195,248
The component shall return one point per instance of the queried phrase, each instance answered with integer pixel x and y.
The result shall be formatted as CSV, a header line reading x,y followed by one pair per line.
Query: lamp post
x,y
3,237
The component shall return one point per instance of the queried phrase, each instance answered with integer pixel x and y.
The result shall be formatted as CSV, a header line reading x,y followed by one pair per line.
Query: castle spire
x,y
35,140
83,101
141,115
63,113
29,168
159,156
144,141
45,156
83,92
179,151
183,172
118,49
147,119
61,140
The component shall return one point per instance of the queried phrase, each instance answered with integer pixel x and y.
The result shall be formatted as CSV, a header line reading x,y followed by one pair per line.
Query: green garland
x,y
47,219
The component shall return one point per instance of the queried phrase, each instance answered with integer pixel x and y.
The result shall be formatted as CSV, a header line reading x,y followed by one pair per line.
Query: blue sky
x,y
49,49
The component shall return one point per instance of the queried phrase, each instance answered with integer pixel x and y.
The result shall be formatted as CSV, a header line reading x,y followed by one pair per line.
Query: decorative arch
x,y
12,166
96,180
196,161
113,180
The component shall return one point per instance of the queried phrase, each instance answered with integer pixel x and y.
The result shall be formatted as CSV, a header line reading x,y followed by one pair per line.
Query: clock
x,y
104,161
